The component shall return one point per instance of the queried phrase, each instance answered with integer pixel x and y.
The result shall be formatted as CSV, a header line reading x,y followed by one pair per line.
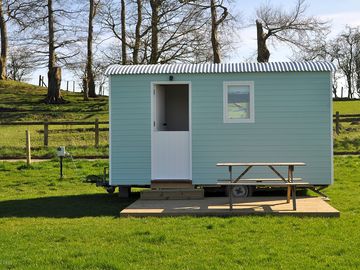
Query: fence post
x,y
73,86
28,148
46,133
337,123
96,132
67,85
40,80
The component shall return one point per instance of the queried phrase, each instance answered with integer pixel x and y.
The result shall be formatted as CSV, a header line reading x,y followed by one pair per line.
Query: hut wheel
x,y
110,189
240,191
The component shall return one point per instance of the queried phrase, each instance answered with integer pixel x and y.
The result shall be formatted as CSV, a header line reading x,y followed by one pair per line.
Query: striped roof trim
x,y
219,68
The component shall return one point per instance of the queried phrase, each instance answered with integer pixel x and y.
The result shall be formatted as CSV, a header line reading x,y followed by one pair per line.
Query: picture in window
x,y
238,105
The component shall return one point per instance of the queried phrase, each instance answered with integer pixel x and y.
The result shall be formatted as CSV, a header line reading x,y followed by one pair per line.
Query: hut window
x,y
239,102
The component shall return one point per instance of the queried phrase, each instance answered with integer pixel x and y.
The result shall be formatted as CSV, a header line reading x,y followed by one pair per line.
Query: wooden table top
x,y
260,164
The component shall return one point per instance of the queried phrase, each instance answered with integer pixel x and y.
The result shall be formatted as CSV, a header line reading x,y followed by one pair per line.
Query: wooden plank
x,y
46,133
171,181
172,194
348,115
28,147
242,174
277,173
63,123
260,179
288,194
96,133
260,164
253,183
337,124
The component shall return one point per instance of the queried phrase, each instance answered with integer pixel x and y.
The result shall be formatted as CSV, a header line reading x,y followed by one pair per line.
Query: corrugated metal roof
x,y
220,68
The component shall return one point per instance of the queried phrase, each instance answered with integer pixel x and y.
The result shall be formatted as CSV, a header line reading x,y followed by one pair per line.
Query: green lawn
x,y
347,107
46,223
349,138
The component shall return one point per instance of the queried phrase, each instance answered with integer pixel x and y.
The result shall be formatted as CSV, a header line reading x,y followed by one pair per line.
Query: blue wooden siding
x,y
292,123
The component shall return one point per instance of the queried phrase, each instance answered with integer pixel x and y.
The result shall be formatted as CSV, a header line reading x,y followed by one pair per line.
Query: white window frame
x,y
251,101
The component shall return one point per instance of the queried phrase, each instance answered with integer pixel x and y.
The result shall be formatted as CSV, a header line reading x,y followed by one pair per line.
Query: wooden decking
x,y
219,206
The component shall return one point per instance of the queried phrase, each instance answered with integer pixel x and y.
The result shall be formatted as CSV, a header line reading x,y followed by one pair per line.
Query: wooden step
x,y
171,184
173,194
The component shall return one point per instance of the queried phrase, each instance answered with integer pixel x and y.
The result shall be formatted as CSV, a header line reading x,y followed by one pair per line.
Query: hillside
x,y
23,102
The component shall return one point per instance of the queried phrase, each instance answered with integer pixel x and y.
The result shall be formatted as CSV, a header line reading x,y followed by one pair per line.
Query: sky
x,y
339,12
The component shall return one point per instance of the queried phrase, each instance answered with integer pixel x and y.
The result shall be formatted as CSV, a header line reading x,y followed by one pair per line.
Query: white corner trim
x,y
331,132
110,143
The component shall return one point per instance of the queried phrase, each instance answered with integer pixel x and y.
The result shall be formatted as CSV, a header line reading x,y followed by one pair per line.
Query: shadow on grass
x,y
75,206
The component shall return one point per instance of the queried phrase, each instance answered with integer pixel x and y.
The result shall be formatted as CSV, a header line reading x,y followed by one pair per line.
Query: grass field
x,y
349,138
46,223
347,107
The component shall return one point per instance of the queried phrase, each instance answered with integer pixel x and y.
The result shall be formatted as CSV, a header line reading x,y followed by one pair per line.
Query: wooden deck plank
x,y
267,183
260,164
259,179
219,206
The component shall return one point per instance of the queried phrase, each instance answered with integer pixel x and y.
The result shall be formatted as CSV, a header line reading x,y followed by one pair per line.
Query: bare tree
x,y
155,6
293,27
4,43
48,29
54,72
137,39
20,63
158,31
123,32
344,51
89,88
215,23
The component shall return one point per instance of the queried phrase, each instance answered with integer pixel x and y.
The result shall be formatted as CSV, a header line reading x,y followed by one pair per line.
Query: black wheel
x,y
240,191
110,189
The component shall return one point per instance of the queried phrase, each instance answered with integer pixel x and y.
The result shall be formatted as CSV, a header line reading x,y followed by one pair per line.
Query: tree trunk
x,y
137,32
349,84
54,73
262,50
357,73
155,5
54,96
123,33
90,85
85,88
4,44
214,33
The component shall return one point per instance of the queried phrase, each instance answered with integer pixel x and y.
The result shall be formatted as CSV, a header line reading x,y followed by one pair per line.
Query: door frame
x,y
153,111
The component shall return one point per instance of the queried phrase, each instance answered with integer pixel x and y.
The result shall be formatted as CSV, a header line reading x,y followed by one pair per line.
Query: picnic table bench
x,y
289,182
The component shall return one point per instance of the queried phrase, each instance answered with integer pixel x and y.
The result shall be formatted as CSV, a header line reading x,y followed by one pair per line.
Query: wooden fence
x,y
46,125
337,119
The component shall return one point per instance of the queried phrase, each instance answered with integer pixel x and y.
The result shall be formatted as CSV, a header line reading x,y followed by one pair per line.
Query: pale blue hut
x,y
177,121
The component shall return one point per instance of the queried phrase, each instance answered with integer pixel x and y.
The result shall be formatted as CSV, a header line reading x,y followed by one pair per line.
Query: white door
x,y
171,138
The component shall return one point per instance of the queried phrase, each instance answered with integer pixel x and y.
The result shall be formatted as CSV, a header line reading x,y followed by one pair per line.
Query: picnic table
x,y
290,182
